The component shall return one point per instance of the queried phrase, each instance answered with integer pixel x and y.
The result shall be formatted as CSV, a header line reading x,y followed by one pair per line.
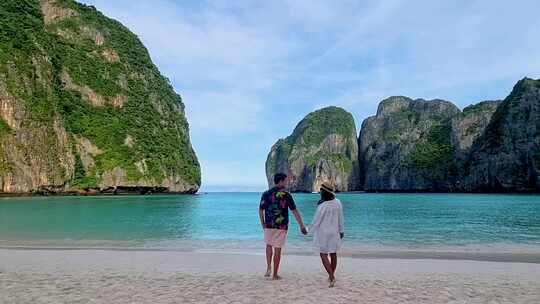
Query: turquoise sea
x,y
230,221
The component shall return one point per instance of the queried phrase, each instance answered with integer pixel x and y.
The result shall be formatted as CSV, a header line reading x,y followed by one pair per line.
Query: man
x,y
274,216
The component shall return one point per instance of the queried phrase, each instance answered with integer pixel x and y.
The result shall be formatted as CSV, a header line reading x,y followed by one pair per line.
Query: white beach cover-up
x,y
327,225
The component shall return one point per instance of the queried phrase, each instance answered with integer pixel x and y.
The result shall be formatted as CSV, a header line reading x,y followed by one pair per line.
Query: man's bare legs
x,y
277,260
275,253
269,253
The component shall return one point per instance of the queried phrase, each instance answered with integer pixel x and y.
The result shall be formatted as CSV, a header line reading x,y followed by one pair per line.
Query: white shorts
x,y
275,237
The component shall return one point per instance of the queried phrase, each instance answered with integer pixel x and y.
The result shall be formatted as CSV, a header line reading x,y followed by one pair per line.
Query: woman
x,y
327,229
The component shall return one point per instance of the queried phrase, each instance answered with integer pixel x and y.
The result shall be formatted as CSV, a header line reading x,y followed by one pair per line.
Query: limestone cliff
x,y
322,148
470,124
507,155
419,145
83,108
407,145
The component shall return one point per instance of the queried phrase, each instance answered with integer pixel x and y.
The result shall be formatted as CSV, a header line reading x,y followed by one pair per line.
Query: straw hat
x,y
328,188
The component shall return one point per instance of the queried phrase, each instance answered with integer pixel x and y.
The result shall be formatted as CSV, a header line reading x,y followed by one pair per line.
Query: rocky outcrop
x,y
407,146
417,145
470,124
322,148
83,109
422,146
506,157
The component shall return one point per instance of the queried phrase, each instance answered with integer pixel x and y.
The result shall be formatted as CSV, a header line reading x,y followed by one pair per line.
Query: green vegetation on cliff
x,y
479,107
434,152
339,160
4,129
506,156
314,128
326,136
107,62
496,131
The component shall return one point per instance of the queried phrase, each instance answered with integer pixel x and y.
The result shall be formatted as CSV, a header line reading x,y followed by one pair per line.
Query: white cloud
x,y
223,113
432,49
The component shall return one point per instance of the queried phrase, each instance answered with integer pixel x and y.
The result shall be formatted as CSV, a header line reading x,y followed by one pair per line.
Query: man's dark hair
x,y
279,177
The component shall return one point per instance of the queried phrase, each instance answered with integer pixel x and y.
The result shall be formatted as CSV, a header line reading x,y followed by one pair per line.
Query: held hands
x,y
341,235
303,229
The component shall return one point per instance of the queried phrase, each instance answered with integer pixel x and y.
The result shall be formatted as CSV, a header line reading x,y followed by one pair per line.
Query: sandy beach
x,y
138,276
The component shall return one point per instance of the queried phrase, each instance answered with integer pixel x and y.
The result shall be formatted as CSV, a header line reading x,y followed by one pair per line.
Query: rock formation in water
x,y
417,145
506,157
83,109
407,145
322,148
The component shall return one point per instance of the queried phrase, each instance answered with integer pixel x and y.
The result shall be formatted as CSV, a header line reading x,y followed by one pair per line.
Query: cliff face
x,y
470,124
506,157
83,108
322,148
407,145
417,145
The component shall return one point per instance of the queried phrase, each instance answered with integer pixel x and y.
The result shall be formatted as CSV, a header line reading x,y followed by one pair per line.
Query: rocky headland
x,y
83,109
322,147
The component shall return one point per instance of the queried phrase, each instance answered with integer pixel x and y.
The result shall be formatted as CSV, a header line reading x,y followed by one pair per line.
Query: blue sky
x,y
249,71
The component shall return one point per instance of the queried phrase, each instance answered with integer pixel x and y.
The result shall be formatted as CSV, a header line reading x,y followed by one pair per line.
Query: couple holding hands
x,y
326,228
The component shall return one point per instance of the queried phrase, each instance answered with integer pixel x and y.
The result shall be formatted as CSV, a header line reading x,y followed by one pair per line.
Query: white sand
x,y
115,276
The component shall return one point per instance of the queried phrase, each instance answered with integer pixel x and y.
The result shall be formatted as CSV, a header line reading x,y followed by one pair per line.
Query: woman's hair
x,y
326,196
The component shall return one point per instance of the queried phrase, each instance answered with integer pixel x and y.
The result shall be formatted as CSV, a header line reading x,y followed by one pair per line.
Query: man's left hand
x,y
303,230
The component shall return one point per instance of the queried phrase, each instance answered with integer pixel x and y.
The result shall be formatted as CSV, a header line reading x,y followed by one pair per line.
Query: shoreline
x,y
399,254
105,276
189,193
91,194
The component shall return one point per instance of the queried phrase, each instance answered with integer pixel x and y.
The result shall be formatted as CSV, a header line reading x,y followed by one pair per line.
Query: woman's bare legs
x,y
327,266
333,262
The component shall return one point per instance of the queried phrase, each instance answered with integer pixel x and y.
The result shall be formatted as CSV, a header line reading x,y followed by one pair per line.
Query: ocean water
x,y
230,221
